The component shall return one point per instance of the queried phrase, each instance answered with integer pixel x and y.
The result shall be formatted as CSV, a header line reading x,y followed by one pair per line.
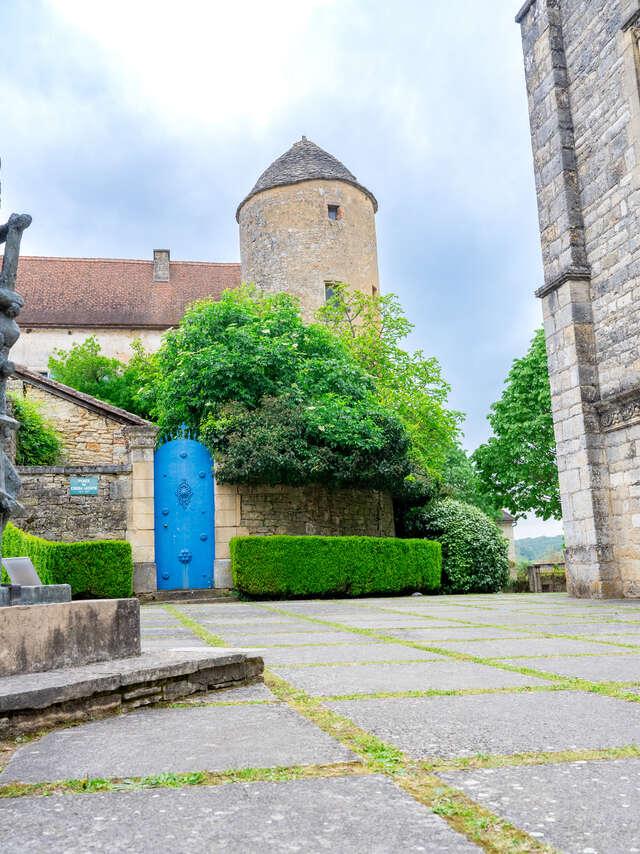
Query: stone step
x,y
187,597
35,701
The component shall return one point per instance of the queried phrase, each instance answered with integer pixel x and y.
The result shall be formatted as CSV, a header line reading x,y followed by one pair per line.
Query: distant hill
x,y
537,549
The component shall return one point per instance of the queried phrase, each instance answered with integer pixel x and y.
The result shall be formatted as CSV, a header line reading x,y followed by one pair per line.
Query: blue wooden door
x,y
184,514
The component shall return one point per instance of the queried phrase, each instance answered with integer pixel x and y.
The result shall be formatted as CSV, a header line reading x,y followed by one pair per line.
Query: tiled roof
x,y
113,292
507,517
304,161
114,413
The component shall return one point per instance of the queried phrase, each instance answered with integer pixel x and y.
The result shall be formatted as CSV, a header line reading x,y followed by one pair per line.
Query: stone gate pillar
x,y
140,523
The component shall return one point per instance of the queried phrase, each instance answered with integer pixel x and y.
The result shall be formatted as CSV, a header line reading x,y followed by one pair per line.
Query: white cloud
x,y
206,64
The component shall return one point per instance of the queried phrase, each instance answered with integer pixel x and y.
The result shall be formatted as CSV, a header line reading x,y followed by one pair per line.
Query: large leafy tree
x,y
407,383
459,480
130,386
517,466
276,400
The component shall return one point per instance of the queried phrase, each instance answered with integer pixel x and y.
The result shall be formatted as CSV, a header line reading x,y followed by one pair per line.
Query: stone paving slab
x,y
328,636
597,668
444,675
151,741
466,725
623,638
604,627
528,646
345,653
452,633
192,643
291,628
505,620
344,815
380,623
575,807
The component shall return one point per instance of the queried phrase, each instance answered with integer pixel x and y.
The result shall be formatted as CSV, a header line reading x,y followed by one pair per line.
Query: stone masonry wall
x,y
89,438
289,244
49,510
581,63
243,510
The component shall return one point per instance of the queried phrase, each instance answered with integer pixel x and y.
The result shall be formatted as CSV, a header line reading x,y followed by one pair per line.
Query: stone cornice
x,y
580,274
523,11
622,410
631,21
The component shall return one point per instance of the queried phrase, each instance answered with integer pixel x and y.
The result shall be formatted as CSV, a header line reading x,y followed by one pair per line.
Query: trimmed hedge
x,y
290,567
101,568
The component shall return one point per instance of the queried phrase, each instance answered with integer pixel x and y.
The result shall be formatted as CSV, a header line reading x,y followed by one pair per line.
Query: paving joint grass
x,y
170,780
463,815
196,628
574,683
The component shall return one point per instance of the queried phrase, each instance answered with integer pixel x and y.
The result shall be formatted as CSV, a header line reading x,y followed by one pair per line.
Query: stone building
x,y
306,224
68,299
582,66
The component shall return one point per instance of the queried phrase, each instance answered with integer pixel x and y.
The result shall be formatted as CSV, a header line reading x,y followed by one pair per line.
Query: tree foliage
x,y
38,443
409,384
276,400
518,464
130,386
460,480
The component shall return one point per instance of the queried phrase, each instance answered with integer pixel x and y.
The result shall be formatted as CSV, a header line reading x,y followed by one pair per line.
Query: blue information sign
x,y
83,486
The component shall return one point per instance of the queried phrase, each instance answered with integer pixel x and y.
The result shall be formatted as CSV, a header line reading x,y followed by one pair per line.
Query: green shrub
x,y
38,443
101,568
474,552
288,567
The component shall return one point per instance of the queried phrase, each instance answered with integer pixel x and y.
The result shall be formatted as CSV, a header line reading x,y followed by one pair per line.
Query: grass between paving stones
x,y
478,824
612,689
486,760
522,629
169,780
196,628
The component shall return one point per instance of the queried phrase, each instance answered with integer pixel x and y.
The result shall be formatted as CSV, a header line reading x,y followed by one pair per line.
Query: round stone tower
x,y
306,225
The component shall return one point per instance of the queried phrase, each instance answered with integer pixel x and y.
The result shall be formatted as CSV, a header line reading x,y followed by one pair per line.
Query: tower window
x,y
334,212
329,291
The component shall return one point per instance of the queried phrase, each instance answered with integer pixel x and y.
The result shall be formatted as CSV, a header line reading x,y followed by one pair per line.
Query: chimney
x,y
160,265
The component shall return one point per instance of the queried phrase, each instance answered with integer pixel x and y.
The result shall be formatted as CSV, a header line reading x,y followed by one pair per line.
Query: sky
x,y
128,126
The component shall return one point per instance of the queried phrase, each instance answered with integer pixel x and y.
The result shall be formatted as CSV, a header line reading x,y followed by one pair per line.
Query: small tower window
x,y
334,212
329,291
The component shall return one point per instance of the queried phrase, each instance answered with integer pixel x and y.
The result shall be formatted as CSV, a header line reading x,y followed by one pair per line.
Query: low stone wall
x,y
50,511
243,510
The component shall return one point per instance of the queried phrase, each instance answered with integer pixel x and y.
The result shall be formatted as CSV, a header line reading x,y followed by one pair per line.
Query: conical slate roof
x,y
304,161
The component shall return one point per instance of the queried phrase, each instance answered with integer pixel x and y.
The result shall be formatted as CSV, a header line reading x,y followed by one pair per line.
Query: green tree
x,y
459,480
38,443
408,384
275,399
517,465
130,386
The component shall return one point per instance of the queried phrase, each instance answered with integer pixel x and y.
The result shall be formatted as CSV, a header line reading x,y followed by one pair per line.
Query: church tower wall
x,y
581,64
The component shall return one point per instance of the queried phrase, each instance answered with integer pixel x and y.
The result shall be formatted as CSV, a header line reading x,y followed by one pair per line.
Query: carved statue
x,y
10,305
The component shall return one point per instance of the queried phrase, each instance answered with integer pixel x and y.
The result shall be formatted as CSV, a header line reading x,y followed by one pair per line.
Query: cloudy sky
x,y
132,125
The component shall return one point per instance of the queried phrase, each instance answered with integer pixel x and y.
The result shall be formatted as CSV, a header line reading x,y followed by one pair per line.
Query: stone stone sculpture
x,y
10,305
